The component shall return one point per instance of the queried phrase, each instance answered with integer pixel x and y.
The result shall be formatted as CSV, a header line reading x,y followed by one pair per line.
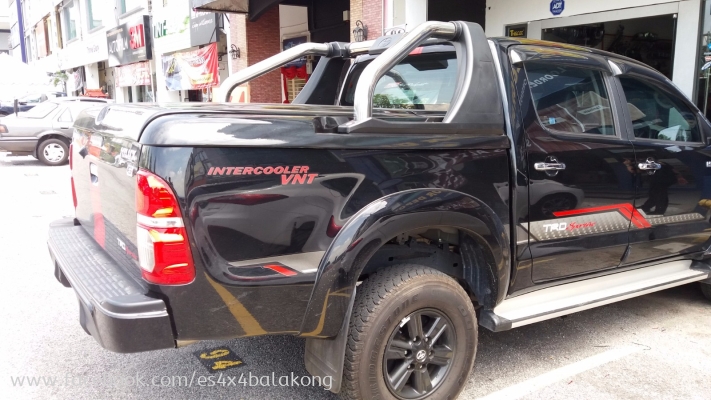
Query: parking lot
x,y
655,346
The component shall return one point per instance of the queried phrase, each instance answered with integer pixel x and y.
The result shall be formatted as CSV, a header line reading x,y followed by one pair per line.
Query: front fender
x,y
51,132
46,133
382,220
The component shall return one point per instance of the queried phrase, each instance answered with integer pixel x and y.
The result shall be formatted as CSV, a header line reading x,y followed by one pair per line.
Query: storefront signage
x,y
202,27
160,29
165,27
171,29
516,32
128,43
133,74
557,7
82,52
138,36
189,70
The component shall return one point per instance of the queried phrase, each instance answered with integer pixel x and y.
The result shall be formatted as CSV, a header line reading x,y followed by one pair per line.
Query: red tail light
x,y
163,248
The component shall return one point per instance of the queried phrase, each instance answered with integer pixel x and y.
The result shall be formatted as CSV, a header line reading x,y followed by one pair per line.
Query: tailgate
x,y
104,160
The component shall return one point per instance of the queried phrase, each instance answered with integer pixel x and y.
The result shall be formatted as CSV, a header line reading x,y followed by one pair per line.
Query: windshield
x,y
33,98
41,110
423,82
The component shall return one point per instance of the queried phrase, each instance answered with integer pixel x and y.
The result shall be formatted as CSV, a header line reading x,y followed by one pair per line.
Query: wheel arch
x,y
49,135
482,237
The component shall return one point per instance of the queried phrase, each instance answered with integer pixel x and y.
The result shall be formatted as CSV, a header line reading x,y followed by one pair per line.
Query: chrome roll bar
x,y
267,65
224,92
363,102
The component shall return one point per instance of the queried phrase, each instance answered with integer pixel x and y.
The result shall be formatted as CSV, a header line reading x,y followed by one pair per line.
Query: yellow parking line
x,y
249,324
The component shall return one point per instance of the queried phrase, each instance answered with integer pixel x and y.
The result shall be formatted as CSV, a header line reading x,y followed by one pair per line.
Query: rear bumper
x,y
113,307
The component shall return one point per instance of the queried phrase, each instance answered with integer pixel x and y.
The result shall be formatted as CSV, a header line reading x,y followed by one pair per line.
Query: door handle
x,y
65,126
94,173
550,166
649,165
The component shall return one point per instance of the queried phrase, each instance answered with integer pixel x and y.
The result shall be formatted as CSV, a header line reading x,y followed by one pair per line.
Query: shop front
x,y
205,60
138,76
663,35
83,61
192,72
130,55
171,33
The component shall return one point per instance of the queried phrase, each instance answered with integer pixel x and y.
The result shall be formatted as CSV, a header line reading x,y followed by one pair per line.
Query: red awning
x,y
95,93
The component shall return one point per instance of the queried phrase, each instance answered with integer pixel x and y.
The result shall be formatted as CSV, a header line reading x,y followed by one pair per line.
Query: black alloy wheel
x,y
412,336
418,354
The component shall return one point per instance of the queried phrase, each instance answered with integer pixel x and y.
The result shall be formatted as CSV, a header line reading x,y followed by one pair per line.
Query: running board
x,y
582,295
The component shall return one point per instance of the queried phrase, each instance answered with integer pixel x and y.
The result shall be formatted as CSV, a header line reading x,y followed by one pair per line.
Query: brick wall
x,y
263,41
370,12
238,37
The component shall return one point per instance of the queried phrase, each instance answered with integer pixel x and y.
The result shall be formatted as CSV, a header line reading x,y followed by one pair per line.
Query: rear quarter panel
x,y
238,218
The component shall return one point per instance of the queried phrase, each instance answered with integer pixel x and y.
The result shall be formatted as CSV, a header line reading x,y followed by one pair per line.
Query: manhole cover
x,y
47,192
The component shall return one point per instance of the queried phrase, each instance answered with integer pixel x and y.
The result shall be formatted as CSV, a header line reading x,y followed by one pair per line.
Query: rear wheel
x,y
53,152
412,335
706,290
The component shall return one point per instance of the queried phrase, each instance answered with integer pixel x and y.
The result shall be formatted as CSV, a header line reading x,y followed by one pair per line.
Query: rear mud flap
x,y
324,357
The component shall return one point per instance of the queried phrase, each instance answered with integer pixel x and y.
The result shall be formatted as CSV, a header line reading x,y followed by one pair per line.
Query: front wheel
x,y
53,152
412,335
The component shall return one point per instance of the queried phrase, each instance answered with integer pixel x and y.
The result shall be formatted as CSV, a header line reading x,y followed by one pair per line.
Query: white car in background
x,y
44,131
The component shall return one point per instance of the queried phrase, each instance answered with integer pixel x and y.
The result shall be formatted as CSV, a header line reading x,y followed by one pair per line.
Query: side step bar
x,y
578,296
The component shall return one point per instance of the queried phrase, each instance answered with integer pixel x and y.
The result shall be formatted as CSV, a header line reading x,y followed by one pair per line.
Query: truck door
x,y
672,165
581,185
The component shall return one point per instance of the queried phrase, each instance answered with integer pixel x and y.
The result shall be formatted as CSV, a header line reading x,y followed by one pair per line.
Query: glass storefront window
x,y
70,20
94,16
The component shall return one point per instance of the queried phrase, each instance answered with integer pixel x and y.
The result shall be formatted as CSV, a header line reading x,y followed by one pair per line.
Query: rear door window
x,y
419,82
66,116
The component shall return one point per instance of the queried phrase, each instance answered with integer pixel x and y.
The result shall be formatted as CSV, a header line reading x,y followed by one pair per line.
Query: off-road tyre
x,y
382,301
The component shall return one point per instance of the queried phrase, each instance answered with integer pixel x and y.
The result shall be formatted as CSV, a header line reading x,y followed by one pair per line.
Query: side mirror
x,y
16,107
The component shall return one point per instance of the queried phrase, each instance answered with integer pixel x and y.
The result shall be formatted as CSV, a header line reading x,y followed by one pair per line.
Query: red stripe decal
x,y
280,269
626,209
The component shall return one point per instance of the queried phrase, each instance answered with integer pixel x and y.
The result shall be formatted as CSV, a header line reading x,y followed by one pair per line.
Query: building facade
x,y
663,33
147,50
5,28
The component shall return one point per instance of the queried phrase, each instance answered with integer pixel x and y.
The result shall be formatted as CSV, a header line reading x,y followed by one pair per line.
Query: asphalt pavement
x,y
653,347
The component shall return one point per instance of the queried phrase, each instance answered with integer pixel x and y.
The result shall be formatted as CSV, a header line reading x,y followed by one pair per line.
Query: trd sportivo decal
x,y
564,226
626,209
597,220
295,175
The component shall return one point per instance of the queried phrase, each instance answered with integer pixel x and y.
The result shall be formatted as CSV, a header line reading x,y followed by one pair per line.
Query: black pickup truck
x,y
419,187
